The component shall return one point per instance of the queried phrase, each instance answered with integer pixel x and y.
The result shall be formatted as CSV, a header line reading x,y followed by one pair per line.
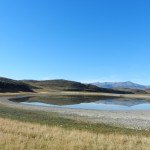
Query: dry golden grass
x,y
16,135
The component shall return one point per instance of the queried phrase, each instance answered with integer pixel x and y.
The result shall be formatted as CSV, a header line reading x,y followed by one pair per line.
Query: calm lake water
x,y
86,102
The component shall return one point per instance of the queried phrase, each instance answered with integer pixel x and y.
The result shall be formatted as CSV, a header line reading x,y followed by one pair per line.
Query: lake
x,y
85,102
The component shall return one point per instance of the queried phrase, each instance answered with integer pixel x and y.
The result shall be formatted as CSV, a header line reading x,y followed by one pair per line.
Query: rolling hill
x,y
9,85
65,85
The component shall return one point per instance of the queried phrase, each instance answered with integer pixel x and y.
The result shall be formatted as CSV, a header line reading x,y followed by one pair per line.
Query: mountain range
x,y
121,85
66,85
10,85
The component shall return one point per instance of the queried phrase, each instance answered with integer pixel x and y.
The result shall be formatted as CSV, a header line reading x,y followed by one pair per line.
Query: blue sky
x,y
83,40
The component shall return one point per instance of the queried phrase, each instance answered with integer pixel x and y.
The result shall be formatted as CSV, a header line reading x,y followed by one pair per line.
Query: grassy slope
x,y
22,129
9,85
65,85
16,135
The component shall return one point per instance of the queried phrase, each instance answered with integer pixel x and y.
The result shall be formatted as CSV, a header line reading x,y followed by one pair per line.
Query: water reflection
x,y
86,102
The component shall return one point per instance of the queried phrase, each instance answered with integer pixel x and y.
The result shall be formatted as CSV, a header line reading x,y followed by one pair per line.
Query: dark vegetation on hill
x,y
9,85
135,91
65,85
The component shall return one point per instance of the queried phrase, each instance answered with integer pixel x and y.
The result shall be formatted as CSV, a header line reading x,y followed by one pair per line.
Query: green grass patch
x,y
54,119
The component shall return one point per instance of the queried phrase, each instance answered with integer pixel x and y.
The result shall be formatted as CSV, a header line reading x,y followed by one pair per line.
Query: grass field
x,y
20,135
24,129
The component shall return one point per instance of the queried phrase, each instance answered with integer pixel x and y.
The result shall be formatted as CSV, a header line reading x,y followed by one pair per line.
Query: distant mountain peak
x,y
127,84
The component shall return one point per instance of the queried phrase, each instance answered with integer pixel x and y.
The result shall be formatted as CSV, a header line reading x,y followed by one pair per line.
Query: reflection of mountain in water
x,y
73,100
61,100
122,102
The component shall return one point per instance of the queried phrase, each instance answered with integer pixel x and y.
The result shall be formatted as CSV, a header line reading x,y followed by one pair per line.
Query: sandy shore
x,y
136,119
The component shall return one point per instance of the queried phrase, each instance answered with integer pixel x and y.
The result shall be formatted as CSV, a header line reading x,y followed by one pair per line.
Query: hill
x,y
65,85
9,85
148,90
121,85
135,91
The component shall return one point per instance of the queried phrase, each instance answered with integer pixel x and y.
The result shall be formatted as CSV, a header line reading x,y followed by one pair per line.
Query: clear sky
x,y
83,40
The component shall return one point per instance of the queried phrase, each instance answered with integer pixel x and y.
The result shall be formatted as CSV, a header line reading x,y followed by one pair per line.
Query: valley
x,y
16,107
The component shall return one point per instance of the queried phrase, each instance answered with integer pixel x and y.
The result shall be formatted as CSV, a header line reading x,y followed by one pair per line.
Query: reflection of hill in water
x,y
61,100
122,102
72,100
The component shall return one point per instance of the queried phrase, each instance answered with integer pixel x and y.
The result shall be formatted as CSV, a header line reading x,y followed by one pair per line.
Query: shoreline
x,y
144,96
133,119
